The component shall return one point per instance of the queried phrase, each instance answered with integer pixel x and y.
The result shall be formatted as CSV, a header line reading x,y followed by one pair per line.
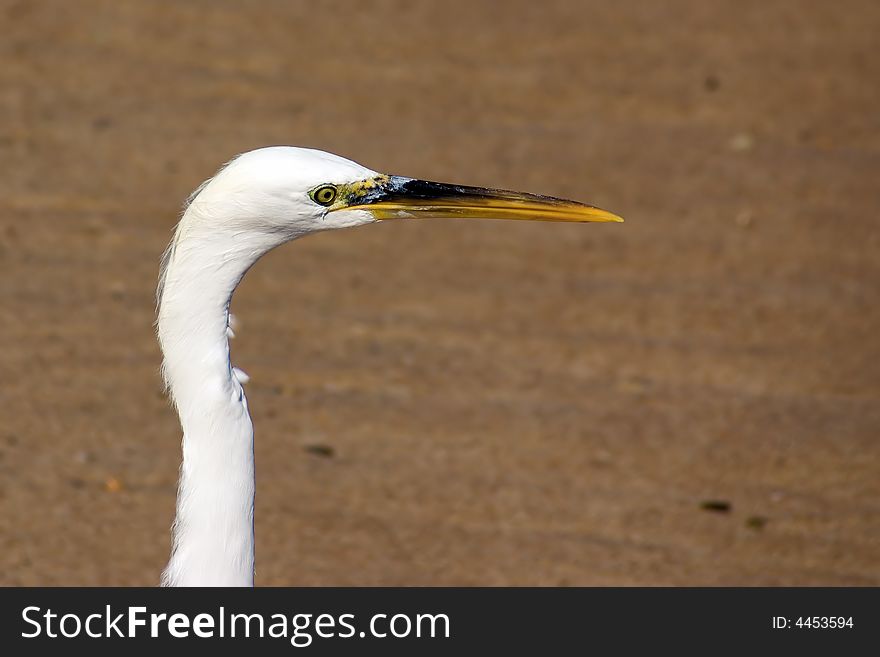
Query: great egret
x,y
260,200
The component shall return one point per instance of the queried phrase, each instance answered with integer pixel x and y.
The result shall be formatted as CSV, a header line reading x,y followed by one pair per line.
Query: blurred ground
x,y
505,404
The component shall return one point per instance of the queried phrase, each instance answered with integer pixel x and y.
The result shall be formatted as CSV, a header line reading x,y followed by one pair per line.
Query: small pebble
x,y
756,522
324,451
741,143
83,456
716,506
112,485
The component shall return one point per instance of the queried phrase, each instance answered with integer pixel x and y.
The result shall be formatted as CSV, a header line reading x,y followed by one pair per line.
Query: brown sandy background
x,y
459,402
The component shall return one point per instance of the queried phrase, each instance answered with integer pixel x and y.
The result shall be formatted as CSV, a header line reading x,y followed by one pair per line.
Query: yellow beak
x,y
393,197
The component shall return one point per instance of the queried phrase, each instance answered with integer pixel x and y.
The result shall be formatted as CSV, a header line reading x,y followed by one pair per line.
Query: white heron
x,y
260,200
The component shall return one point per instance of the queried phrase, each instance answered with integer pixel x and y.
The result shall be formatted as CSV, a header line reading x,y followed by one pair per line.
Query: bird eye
x,y
324,195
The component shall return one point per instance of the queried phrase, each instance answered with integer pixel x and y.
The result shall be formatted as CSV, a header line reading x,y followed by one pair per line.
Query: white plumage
x,y
258,201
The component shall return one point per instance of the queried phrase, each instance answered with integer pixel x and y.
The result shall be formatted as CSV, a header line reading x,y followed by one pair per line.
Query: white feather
x,y
257,202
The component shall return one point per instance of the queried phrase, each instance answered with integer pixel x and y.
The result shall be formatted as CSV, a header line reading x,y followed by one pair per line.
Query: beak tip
x,y
611,217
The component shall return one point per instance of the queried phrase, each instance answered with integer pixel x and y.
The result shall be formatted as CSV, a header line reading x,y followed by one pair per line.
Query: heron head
x,y
285,192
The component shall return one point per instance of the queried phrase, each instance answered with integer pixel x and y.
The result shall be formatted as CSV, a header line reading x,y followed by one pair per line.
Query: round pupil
x,y
325,195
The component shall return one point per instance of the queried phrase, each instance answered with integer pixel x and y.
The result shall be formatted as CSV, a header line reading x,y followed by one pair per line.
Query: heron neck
x,y
213,533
